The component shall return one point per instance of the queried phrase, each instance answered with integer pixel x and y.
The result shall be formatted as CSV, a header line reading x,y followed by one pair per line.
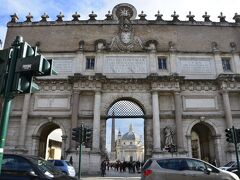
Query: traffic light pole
x,y
236,149
80,150
8,98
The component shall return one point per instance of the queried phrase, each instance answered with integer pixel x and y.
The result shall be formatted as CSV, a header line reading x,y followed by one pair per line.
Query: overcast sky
x,y
101,7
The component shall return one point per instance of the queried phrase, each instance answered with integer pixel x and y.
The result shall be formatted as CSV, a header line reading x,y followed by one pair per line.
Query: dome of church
x,y
130,135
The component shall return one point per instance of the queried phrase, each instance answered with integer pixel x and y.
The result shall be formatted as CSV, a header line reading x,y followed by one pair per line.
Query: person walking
x,y
103,168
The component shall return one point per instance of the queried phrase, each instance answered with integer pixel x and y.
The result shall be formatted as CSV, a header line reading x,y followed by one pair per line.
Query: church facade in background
x,y
181,77
129,146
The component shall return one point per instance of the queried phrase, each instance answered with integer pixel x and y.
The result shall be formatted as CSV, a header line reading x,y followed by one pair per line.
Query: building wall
x,y
76,95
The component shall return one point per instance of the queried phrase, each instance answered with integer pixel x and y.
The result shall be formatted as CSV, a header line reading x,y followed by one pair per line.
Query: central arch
x,y
128,146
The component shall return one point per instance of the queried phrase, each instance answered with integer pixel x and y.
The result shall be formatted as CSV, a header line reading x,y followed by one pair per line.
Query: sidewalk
x,y
114,175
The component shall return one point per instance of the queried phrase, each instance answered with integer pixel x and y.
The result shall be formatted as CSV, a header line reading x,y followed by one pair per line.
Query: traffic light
x,y
5,56
87,135
30,64
229,135
237,133
76,134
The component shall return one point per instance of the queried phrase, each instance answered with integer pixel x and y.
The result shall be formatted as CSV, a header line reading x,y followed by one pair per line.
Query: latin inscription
x,y
63,66
201,103
192,65
125,64
44,103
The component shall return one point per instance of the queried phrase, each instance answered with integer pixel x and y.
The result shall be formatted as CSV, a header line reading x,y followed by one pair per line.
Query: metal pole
x,y
80,151
236,149
8,97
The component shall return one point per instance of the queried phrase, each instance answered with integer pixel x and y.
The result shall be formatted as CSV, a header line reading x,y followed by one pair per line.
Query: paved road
x,y
114,175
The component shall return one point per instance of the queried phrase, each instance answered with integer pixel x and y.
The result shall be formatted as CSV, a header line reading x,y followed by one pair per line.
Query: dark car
x,y
23,167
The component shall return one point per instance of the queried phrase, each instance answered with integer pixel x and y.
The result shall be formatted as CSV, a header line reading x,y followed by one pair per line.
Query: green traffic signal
x,y
229,135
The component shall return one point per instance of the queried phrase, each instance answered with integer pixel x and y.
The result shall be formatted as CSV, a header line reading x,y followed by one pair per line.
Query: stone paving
x,y
114,175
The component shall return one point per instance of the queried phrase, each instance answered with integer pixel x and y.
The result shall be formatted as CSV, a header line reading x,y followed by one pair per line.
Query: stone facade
x,y
183,74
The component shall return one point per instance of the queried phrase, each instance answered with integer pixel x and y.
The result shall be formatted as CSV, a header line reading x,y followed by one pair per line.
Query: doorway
x,y
125,131
202,143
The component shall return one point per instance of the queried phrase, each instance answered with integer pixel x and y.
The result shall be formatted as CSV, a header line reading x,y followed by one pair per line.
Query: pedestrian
x,y
103,168
71,160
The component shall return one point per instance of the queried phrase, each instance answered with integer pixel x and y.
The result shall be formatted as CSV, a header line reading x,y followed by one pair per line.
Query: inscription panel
x,y
63,66
195,65
51,103
125,65
204,103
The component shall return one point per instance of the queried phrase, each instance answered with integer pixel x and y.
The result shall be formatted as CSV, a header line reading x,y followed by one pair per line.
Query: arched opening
x,y
202,143
50,141
125,131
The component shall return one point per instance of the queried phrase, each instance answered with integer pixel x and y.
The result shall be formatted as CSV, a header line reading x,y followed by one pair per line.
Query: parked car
x,y
183,168
64,166
24,167
228,165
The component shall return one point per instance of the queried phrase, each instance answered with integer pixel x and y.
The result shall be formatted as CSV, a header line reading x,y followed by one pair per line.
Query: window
x,y
90,62
58,163
162,63
226,63
15,164
173,164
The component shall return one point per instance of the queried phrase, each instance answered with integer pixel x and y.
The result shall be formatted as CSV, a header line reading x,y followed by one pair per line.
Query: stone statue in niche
x,y
168,135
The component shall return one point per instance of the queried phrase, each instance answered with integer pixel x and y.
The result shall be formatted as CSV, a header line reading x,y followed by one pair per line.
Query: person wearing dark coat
x,y
103,168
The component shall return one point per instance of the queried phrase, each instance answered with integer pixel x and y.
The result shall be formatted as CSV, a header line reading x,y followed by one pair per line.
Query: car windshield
x,y
45,167
229,164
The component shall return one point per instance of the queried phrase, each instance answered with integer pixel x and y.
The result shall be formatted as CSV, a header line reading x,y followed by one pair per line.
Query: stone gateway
x,y
183,75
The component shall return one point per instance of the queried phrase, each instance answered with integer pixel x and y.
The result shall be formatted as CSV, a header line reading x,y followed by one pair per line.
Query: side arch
x,y
213,128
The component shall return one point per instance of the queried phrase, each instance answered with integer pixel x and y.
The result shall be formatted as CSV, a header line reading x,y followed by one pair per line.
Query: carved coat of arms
x,y
125,41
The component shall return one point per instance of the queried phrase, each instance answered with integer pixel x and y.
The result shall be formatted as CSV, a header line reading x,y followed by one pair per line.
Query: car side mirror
x,y
207,171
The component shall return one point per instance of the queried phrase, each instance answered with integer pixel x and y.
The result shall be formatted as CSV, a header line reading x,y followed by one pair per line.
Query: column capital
x,y
176,92
76,91
154,91
224,91
98,91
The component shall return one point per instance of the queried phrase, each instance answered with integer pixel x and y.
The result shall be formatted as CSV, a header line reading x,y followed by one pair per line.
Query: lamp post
x,y
1,44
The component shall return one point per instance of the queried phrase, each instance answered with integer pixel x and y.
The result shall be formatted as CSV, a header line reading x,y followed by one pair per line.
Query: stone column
x,y
189,145
173,62
96,122
63,152
217,149
227,109
218,62
35,145
236,62
156,122
178,118
23,123
74,118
